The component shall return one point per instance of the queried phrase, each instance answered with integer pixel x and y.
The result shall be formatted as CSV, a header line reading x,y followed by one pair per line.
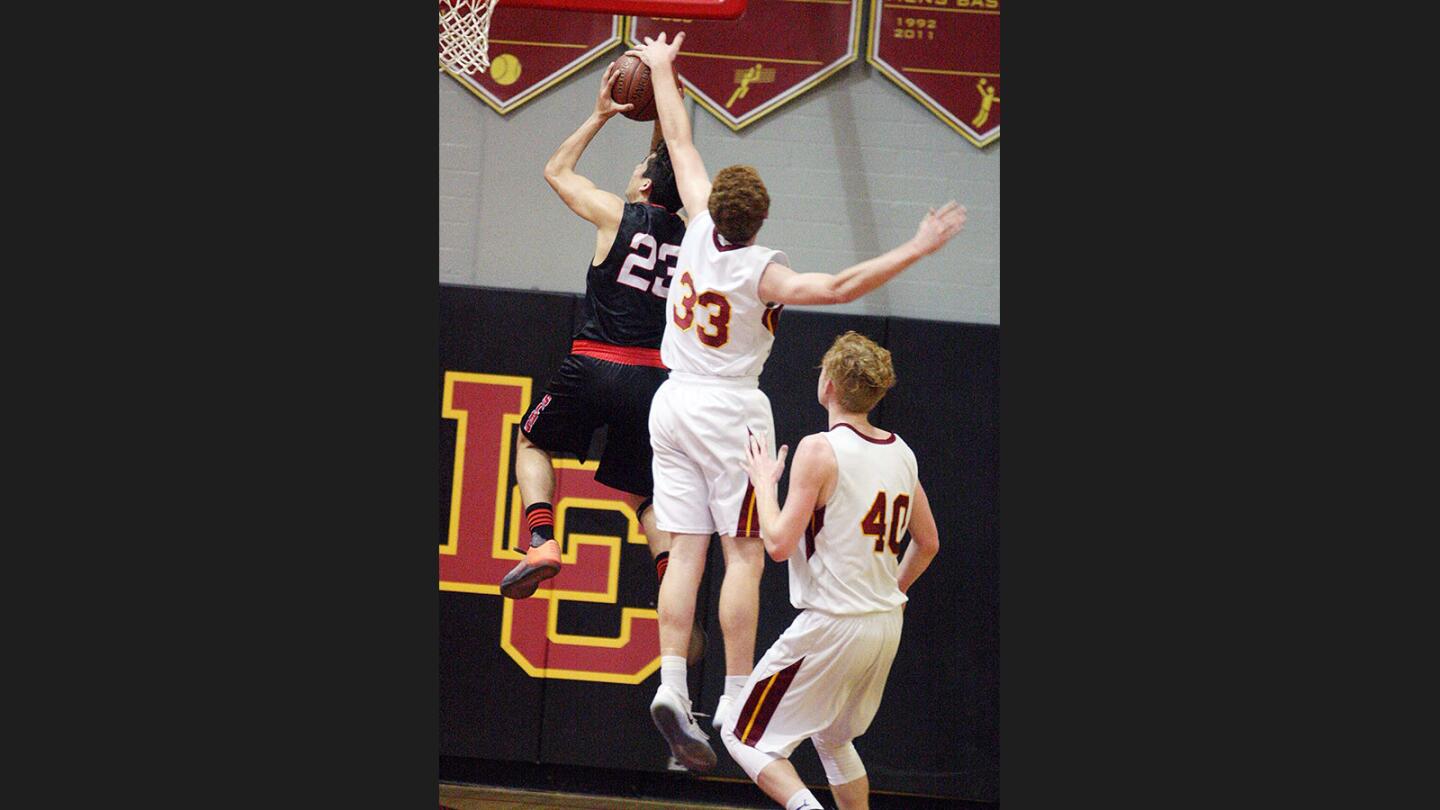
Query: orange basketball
x,y
632,86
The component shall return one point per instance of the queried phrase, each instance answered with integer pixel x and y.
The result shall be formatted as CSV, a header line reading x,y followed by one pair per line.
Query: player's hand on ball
x,y
938,226
656,51
763,469
605,106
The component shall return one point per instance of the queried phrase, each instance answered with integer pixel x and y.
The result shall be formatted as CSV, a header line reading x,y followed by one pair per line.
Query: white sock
x,y
803,799
734,684
672,674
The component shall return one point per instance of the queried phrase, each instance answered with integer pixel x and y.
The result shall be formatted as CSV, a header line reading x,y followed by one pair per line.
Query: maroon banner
x,y
532,50
745,69
945,53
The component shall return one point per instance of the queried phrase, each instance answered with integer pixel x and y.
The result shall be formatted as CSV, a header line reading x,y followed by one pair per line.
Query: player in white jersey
x,y
724,304
854,491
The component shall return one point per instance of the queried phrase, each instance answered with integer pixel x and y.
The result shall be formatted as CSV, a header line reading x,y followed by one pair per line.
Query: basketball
x,y
632,86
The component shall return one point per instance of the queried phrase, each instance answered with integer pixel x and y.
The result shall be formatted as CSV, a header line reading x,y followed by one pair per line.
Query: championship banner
x,y
532,50
945,53
742,70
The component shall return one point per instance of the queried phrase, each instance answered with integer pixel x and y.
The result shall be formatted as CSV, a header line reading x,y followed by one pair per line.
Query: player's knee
x,y
640,505
727,735
745,563
842,762
750,760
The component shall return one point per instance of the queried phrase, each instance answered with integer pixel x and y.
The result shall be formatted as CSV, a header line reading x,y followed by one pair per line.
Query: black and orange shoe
x,y
541,563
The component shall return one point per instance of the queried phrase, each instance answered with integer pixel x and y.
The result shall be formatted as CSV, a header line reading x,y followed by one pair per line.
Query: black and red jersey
x,y
625,293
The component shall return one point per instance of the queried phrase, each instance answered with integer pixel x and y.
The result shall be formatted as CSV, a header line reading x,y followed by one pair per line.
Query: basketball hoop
x,y
464,30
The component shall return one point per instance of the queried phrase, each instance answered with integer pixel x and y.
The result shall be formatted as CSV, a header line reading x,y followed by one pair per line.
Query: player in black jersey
x,y
614,367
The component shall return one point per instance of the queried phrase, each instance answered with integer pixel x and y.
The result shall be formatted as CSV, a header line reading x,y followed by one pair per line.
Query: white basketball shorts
x,y
822,678
698,429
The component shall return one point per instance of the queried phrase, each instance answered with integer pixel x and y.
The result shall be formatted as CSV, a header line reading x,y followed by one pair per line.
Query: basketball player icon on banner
x,y
745,77
987,97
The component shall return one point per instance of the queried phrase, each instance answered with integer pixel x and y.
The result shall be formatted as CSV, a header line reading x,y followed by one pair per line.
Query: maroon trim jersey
x,y
851,563
625,294
717,325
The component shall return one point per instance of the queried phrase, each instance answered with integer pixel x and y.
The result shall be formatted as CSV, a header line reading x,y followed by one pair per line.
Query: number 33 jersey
x,y
625,293
716,324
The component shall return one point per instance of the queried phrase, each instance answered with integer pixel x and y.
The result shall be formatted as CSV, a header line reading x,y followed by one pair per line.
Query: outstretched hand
x,y
605,106
656,51
938,226
763,469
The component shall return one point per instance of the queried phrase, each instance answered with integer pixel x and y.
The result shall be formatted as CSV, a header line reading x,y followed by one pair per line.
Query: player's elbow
x,y
822,293
840,291
682,149
557,173
779,551
925,541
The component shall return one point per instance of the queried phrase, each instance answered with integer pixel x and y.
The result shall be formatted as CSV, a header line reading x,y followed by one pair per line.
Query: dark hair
x,y
739,203
662,180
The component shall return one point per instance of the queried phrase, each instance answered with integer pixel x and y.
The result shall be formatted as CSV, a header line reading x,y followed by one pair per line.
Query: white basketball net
x,y
464,30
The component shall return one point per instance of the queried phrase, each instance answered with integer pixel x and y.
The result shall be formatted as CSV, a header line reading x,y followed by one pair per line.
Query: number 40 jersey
x,y
848,562
716,324
625,293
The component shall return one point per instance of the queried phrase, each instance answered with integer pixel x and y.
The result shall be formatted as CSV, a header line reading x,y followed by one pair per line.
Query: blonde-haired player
x,y
724,306
854,491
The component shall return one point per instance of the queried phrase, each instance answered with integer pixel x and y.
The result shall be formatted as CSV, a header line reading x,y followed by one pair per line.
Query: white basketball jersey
x,y
716,324
848,561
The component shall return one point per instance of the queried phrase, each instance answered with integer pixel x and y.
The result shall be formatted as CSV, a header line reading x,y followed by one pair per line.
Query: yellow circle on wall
x,y
505,69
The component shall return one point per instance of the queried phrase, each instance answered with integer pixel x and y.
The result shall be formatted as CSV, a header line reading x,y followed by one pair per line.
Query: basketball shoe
x,y
688,744
541,562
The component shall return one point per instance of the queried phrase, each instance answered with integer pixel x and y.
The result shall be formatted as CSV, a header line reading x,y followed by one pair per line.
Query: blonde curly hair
x,y
860,369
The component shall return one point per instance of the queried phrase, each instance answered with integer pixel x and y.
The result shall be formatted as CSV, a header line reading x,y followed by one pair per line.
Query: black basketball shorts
x,y
585,394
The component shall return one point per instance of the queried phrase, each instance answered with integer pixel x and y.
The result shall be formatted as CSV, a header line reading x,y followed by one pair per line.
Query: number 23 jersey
x,y
625,293
716,324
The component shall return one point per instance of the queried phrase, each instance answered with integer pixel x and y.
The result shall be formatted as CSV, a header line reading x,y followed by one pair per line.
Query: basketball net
x,y
464,32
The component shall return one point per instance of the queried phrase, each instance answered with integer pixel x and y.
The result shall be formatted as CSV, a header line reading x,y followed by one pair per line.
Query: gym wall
x,y
937,731
851,167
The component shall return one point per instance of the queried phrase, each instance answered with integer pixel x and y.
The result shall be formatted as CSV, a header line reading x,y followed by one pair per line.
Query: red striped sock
x,y
540,519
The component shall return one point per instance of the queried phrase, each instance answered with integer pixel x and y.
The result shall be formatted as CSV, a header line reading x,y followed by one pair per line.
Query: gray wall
x,y
851,168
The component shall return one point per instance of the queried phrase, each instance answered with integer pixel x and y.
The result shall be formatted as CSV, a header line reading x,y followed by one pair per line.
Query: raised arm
x,y
690,175
601,208
812,479
924,541
781,285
